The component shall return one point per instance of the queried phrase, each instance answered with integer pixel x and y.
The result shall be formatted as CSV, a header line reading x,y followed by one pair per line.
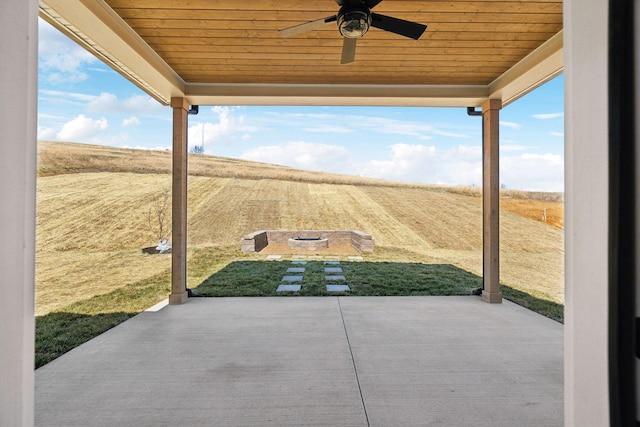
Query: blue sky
x,y
82,100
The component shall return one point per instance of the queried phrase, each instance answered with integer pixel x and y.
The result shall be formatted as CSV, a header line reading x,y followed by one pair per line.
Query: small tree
x,y
157,215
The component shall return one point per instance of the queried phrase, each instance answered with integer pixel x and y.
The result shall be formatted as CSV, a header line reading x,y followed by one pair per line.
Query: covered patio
x,y
474,54
331,361
190,53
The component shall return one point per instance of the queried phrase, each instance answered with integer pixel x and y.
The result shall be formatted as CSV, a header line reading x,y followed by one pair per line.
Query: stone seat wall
x,y
258,240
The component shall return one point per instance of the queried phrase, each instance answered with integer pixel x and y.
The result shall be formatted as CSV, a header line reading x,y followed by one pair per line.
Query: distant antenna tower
x,y
202,152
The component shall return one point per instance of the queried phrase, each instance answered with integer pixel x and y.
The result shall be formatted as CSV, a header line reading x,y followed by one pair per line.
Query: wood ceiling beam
x,y
93,25
540,66
334,94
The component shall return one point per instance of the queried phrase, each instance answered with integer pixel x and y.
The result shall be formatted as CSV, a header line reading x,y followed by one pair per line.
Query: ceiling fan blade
x,y
348,51
307,26
372,3
413,30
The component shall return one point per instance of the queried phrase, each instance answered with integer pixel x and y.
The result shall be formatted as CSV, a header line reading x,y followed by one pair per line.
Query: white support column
x,y
586,213
179,203
491,201
18,154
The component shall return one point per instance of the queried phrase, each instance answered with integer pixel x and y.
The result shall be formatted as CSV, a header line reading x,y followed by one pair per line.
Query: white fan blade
x,y
348,50
307,26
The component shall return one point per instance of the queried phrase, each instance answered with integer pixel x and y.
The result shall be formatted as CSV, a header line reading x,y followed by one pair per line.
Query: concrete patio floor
x,y
313,361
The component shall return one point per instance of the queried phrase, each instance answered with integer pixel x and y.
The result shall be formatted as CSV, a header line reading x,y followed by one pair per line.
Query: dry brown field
x,y
93,202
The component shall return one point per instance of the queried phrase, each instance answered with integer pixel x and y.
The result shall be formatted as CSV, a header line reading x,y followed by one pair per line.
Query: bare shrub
x,y
157,215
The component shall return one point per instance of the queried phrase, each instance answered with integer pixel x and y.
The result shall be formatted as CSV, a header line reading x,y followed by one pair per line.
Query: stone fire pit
x,y
307,239
308,243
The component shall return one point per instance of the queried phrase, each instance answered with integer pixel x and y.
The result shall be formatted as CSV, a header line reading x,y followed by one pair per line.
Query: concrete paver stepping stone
x,y
274,256
356,258
338,288
315,257
299,257
331,257
295,270
292,279
330,278
299,262
332,263
288,288
333,269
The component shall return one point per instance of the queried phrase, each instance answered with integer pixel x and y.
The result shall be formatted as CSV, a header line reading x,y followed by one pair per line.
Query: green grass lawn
x,y
220,272
65,329
261,278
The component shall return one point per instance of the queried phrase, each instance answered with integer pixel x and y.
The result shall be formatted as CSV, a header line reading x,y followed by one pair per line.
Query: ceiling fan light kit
x,y
354,23
354,20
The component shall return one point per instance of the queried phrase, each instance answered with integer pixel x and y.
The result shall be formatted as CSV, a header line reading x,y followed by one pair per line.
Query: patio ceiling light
x,y
354,23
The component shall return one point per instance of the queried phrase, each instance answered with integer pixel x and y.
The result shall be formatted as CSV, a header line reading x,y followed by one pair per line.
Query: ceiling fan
x,y
354,19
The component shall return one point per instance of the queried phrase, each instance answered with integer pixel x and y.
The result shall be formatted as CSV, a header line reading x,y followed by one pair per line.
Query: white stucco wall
x,y
18,84
586,213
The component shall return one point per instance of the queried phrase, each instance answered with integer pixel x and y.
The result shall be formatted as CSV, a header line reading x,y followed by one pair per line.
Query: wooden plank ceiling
x,y
237,42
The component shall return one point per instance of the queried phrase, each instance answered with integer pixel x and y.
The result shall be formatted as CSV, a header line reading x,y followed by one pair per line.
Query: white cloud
x,y
305,155
428,164
328,129
512,147
536,172
352,123
403,163
136,104
511,125
439,132
548,116
131,121
557,134
227,127
462,165
60,60
307,115
105,102
46,133
81,128
399,127
74,96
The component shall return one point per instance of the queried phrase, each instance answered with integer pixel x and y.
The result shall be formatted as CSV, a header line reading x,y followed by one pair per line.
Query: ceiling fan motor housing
x,y
354,21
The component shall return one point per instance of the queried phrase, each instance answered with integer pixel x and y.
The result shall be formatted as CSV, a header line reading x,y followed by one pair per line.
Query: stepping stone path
x,y
338,288
291,286
288,288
